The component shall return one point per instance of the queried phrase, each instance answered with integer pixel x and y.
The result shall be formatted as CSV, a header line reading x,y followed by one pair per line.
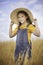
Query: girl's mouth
x,y
22,21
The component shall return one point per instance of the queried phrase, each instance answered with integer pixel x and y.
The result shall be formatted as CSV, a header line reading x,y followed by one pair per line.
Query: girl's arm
x,y
12,33
37,31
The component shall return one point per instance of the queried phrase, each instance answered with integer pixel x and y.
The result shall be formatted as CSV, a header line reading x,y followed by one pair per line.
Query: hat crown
x,y
13,14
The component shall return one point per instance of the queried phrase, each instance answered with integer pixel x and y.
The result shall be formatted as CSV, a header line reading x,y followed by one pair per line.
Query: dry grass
x,y
7,53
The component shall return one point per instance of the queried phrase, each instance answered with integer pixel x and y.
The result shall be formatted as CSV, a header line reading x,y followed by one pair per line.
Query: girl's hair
x,y
28,18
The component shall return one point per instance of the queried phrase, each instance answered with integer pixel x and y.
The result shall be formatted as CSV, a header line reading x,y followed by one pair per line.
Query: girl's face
x,y
21,17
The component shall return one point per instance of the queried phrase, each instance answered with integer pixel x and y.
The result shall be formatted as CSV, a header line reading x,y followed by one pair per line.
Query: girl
x,y
23,31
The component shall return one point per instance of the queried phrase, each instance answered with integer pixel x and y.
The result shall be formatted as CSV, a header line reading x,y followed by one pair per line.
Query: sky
x,y
7,6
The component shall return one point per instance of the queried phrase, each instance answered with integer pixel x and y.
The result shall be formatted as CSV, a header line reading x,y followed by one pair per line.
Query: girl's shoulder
x,y
31,27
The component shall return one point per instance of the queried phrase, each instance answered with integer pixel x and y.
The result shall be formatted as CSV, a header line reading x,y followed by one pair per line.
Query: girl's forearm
x,y
37,31
10,31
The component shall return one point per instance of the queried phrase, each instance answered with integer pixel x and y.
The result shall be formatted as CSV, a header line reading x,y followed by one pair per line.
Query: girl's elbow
x,y
38,34
10,36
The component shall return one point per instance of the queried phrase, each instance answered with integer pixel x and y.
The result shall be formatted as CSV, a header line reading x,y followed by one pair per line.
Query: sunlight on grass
x,y
7,53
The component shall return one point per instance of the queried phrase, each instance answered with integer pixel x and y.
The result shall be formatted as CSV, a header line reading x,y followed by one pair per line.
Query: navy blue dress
x,y
22,44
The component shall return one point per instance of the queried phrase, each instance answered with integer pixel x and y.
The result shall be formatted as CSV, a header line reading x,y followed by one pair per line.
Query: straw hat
x,y
13,14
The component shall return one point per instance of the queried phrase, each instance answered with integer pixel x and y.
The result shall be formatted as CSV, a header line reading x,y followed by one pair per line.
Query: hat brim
x,y
13,14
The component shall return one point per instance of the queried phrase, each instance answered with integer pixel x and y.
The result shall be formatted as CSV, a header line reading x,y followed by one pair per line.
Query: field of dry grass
x,y
7,53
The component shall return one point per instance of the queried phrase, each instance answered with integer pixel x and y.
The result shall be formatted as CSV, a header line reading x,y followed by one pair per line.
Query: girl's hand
x,y
35,21
11,23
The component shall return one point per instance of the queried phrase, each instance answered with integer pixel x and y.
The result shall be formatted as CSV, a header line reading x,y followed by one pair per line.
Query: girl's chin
x,y
22,21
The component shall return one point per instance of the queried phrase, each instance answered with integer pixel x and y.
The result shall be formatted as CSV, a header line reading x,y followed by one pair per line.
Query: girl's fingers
x,y
35,19
11,23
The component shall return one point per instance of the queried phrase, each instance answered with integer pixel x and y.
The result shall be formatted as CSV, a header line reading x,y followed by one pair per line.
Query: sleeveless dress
x,y
22,44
